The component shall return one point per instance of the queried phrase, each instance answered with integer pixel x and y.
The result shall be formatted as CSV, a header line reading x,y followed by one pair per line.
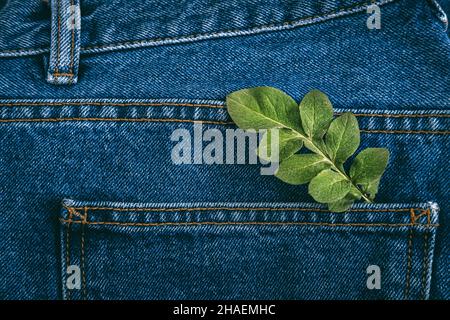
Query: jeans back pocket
x,y
246,251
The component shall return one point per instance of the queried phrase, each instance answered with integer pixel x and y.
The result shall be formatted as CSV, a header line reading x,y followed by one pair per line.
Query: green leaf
x,y
263,108
288,144
345,203
310,125
329,186
354,193
371,188
342,138
369,165
316,145
341,205
316,113
301,168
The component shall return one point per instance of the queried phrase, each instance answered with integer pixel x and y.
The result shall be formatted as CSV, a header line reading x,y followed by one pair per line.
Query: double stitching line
x,y
237,209
58,38
401,115
72,46
425,266
425,262
409,263
68,239
72,214
86,208
112,104
132,224
407,131
413,220
203,105
116,120
69,74
83,264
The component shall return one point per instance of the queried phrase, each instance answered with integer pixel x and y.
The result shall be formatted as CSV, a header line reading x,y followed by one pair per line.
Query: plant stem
x,y
354,185
333,165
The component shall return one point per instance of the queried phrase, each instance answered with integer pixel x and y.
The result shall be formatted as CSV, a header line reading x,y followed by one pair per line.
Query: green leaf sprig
x,y
331,141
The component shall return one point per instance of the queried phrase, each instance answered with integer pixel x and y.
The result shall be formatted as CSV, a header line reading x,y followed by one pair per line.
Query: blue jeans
x,y
88,188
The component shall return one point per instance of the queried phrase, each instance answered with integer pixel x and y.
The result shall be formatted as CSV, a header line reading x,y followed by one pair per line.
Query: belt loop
x,y
65,42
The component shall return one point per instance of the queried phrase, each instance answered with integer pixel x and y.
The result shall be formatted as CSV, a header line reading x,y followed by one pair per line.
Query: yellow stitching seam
x,y
200,105
409,263
72,46
58,40
406,131
239,209
252,223
83,223
423,212
113,104
425,265
57,74
404,115
116,120
69,226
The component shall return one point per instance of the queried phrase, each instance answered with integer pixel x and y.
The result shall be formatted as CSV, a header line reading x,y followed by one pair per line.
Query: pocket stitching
x,y
238,209
68,238
255,223
414,218
409,259
83,264
411,212
425,265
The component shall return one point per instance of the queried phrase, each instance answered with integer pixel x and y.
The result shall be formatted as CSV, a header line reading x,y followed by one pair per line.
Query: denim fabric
x,y
141,227
253,250
65,42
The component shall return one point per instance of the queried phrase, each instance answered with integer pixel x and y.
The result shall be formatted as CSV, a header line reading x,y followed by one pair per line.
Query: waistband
x,y
25,25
